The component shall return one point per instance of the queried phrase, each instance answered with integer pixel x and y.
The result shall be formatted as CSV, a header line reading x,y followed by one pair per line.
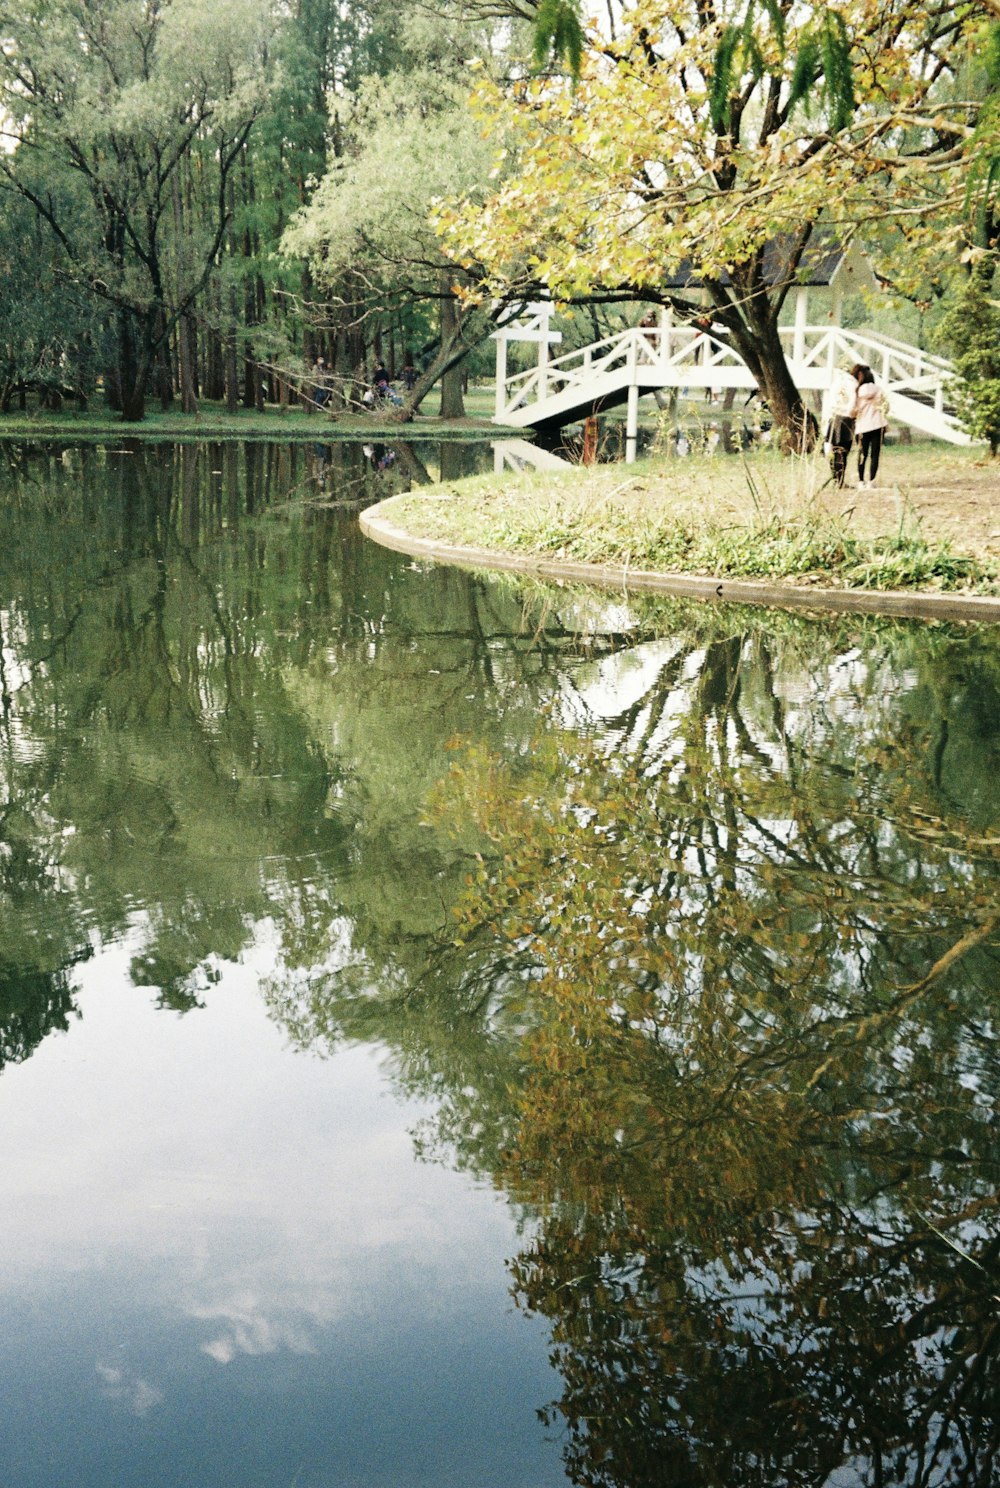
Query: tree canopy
x,y
118,98
691,137
221,194
366,232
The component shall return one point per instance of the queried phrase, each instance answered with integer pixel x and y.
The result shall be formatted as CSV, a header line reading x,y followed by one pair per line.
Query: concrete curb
x,y
376,524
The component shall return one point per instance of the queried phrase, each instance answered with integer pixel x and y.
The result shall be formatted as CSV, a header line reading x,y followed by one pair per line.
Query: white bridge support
x,y
648,359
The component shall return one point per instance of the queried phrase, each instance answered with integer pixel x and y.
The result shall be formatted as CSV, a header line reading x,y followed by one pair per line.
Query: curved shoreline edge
x,y
376,523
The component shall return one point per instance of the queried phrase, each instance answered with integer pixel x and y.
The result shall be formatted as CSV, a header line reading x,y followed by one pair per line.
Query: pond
x,y
455,1032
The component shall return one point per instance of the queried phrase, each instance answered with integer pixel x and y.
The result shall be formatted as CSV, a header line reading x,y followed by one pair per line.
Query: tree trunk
x,y
214,382
186,347
757,340
133,371
187,358
470,330
232,367
452,401
164,371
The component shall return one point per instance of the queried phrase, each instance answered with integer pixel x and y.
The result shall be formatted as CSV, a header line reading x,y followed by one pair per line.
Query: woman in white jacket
x,y
869,425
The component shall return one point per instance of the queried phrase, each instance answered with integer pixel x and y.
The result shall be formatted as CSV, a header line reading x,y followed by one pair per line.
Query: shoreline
x,y
907,604
275,428
771,532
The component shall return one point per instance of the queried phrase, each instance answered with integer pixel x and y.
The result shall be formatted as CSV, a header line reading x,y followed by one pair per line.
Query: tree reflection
x,y
717,1004
221,709
757,1110
32,1005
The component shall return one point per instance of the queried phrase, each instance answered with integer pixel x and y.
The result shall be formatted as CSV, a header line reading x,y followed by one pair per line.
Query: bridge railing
x,y
638,349
677,355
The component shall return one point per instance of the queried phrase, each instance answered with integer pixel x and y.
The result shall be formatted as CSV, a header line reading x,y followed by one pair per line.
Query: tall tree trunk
x,y
186,351
232,365
754,329
797,423
164,374
452,400
187,359
133,370
214,382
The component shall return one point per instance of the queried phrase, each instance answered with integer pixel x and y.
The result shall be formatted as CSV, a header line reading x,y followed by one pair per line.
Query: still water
x,y
460,1034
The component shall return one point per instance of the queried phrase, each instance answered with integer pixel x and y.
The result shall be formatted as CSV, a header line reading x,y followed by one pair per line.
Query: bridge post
x,y
632,424
500,400
544,335
666,329
801,321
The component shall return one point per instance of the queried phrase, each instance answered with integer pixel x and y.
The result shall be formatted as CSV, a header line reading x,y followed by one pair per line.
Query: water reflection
x,y
730,969
680,928
757,926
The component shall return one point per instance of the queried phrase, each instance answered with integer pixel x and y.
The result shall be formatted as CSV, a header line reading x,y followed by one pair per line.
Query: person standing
x,y
869,425
321,387
840,433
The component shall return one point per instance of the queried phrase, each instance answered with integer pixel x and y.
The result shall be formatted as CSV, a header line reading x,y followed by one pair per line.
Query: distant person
x,y
409,375
382,388
321,387
840,430
869,425
703,325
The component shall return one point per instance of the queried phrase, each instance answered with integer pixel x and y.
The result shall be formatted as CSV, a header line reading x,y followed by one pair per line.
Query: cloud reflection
x,y
137,1394
248,1331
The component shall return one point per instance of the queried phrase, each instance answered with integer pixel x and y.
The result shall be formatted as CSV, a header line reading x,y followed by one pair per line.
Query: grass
x,y
213,422
762,517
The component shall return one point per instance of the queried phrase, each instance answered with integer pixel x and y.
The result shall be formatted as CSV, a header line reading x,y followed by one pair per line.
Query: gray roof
x,y
820,260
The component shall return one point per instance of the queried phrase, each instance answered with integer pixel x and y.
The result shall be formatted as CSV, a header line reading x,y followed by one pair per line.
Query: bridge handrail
x,y
644,343
876,338
887,349
905,370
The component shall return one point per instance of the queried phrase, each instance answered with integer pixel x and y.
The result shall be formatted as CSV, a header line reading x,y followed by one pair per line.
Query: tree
x,y
407,140
971,332
707,144
118,96
50,332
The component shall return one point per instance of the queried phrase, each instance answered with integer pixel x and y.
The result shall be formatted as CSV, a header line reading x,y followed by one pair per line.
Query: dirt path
x,y
960,502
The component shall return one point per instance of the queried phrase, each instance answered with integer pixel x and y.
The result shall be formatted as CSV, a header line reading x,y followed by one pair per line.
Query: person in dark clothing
x,y
321,388
870,425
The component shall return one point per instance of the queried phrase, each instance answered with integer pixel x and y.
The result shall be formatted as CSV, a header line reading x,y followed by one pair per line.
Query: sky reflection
x,y
257,1244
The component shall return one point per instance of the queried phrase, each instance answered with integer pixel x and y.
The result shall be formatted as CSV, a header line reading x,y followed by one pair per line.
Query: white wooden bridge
x,y
648,359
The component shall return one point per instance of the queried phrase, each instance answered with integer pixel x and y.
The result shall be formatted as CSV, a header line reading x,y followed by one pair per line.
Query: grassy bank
x,y
932,525
213,422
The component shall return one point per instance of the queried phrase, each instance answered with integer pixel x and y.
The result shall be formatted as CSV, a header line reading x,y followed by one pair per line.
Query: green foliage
x,y
405,140
117,109
822,52
971,332
51,334
838,68
724,78
558,33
